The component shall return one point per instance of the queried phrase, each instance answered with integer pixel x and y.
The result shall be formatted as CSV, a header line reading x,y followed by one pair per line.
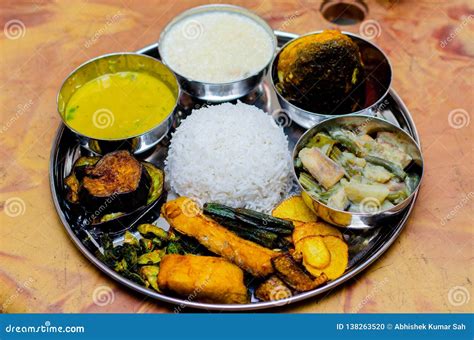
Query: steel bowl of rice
x,y
231,154
218,52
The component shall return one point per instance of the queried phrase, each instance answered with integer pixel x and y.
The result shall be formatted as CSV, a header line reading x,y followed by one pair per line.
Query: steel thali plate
x,y
364,246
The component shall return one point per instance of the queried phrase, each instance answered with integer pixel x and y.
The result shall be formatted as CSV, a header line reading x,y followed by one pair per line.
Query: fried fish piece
x,y
185,216
203,278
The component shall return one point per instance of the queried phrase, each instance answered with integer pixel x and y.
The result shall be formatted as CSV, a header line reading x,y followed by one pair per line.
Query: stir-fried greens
x,y
346,169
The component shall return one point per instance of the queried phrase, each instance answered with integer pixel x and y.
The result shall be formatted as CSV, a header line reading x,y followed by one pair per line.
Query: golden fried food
x,y
339,259
292,274
204,278
294,209
186,217
272,289
303,230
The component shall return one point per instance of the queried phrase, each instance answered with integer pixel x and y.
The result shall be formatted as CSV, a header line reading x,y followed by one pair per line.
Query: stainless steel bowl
x,y
348,219
111,63
218,92
376,85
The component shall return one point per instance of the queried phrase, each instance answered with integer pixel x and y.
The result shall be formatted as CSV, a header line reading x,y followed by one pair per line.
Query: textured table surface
x,y
428,269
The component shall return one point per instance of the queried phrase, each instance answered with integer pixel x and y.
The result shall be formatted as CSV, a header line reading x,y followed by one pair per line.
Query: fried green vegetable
x,y
250,218
150,275
151,231
157,179
175,248
152,257
130,255
129,238
110,217
147,245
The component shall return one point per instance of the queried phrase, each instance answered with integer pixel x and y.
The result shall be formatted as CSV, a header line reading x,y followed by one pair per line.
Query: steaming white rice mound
x,y
231,154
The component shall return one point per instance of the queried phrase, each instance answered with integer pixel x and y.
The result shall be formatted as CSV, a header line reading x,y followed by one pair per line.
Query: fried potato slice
x,y
339,259
294,209
315,252
303,230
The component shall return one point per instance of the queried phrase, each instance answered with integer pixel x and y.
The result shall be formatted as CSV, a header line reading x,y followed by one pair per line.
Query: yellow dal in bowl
x,y
119,105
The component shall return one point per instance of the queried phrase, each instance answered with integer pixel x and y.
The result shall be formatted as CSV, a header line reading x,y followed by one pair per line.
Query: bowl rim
x,y
110,55
384,121
224,8
351,35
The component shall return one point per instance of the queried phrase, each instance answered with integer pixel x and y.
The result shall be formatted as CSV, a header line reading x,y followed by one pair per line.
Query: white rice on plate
x,y
231,154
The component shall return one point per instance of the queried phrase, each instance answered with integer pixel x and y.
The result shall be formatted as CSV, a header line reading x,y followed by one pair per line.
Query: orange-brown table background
x,y
429,267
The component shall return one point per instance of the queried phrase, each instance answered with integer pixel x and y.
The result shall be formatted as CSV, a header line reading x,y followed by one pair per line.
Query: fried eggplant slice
x,y
118,182
292,274
272,289
206,278
184,215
